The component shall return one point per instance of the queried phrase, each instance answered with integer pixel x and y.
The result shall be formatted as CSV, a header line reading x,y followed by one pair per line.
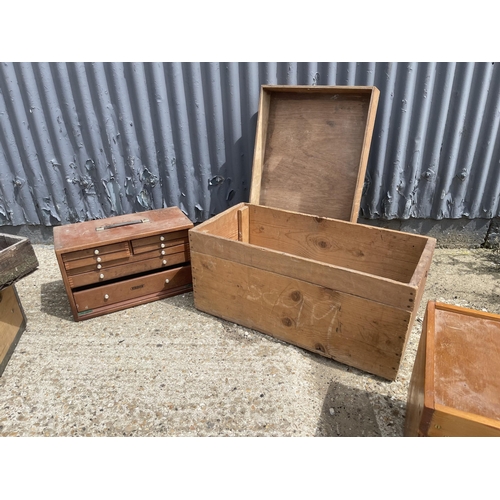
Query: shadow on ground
x,y
347,412
54,300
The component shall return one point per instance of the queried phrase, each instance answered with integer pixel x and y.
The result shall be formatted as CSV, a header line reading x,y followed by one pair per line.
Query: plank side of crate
x,y
356,283
349,329
388,254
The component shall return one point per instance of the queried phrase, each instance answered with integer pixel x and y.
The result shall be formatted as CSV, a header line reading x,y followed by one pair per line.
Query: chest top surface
x,y
80,235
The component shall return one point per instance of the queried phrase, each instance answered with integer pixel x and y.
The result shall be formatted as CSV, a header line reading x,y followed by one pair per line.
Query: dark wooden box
x,y
455,384
17,260
111,264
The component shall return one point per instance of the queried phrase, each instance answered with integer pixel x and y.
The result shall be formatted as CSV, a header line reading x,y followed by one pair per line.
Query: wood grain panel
x,y
382,252
355,331
311,148
356,283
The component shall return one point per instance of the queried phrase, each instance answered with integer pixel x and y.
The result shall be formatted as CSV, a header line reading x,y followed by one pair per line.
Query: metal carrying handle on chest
x,y
120,224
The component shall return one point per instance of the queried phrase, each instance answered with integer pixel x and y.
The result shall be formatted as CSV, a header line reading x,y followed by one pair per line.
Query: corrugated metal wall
x,y
80,141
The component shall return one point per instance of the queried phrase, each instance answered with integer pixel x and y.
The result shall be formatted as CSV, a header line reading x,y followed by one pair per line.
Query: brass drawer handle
x,y
106,297
101,276
162,245
163,252
98,259
164,262
99,266
167,281
96,251
162,238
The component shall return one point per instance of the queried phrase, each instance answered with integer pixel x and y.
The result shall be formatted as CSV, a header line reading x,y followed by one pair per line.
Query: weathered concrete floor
x,y
166,369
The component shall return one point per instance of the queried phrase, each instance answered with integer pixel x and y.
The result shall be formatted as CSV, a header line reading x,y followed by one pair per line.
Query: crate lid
x,y
463,360
311,148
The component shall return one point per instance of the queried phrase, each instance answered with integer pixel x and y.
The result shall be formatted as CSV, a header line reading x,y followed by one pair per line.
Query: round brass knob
x,y
106,297
99,259
99,266
164,262
96,252
163,252
167,281
162,238
101,276
162,245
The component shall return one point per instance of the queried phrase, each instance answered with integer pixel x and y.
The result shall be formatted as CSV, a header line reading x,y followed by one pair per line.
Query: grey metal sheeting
x,y
81,141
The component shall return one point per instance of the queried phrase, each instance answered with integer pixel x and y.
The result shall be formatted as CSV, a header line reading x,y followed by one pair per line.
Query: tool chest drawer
x,y
132,288
160,242
115,263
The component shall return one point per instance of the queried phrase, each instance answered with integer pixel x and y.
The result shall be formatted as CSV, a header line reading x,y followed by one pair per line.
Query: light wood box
x,y
455,384
112,264
289,263
343,290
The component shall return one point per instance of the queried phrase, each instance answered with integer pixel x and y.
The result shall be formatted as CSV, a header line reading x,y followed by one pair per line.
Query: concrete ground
x,y
166,369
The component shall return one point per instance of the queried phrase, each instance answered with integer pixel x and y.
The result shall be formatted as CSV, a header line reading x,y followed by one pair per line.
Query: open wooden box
x,y
455,384
346,291
289,264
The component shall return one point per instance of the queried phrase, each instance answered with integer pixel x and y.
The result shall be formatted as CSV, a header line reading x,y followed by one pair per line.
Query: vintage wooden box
x,y
346,291
455,384
112,264
17,260
286,265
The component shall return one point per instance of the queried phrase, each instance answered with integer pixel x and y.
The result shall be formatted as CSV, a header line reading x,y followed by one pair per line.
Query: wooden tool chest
x,y
115,263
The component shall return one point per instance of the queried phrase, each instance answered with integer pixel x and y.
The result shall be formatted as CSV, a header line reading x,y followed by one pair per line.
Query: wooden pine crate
x,y
455,384
343,290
